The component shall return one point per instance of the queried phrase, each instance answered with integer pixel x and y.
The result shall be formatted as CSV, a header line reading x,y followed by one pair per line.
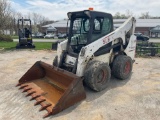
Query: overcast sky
x,y
57,9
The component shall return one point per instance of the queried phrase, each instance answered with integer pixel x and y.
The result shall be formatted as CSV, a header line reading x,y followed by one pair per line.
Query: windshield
x,y
80,29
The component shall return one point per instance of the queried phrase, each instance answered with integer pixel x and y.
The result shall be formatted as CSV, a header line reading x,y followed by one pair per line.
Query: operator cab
x,y
86,27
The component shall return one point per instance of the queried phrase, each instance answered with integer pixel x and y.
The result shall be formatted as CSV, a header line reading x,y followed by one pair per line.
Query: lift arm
x,y
88,51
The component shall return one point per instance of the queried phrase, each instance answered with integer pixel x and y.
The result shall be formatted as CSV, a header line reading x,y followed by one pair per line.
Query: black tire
x,y
122,67
55,61
97,75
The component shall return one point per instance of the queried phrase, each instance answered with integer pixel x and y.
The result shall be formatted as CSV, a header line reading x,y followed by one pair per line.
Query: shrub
x,y
6,38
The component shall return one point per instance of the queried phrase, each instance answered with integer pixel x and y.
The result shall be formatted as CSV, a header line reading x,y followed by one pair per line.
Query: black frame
x,y
92,15
22,21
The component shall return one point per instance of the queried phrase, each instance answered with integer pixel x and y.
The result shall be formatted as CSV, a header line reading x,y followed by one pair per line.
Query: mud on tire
x,y
97,75
122,67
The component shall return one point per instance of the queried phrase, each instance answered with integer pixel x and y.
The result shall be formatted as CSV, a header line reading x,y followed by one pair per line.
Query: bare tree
x,y
35,18
129,13
118,15
18,15
38,20
9,18
15,17
5,15
145,15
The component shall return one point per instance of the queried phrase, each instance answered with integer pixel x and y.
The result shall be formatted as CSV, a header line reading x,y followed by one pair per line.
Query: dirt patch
x,y
137,98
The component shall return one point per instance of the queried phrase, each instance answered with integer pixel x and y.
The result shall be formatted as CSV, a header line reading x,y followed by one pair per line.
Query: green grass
x,y
7,45
39,45
43,45
158,46
14,37
138,48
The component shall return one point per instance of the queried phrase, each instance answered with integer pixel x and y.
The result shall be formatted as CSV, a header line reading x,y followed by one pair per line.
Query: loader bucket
x,y
53,88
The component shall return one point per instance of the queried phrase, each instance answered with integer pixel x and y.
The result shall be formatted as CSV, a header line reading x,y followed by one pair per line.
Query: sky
x,y
57,9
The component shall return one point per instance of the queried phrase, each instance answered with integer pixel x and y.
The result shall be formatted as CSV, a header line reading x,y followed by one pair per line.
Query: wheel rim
x,y
127,67
101,76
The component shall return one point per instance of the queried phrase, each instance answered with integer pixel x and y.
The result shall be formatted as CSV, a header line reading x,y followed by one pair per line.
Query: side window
x,y
86,25
98,24
80,29
102,26
106,28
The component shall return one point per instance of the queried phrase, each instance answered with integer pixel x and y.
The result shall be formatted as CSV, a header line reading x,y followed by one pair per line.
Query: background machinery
x,y
90,54
25,34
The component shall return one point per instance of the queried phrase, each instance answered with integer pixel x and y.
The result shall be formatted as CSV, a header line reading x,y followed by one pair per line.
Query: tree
x,y
119,15
129,13
123,16
38,20
9,18
5,15
155,17
145,15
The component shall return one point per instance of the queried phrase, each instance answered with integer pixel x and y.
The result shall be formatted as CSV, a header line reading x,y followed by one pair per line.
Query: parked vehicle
x,y
142,37
62,36
38,35
49,35
33,35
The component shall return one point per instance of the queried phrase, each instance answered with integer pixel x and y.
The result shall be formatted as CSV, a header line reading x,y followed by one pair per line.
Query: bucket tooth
x,y
25,90
18,84
47,114
35,97
44,107
23,86
40,101
30,93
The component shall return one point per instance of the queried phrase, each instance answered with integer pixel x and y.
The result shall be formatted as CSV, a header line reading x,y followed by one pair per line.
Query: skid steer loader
x,y
91,53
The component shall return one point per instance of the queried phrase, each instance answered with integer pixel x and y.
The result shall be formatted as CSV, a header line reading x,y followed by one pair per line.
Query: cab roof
x,y
89,13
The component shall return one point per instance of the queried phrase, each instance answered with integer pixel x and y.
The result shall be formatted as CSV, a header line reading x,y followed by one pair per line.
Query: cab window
x,y
101,27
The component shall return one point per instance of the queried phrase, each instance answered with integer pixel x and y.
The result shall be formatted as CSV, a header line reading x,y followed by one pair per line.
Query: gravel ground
x,y
137,98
